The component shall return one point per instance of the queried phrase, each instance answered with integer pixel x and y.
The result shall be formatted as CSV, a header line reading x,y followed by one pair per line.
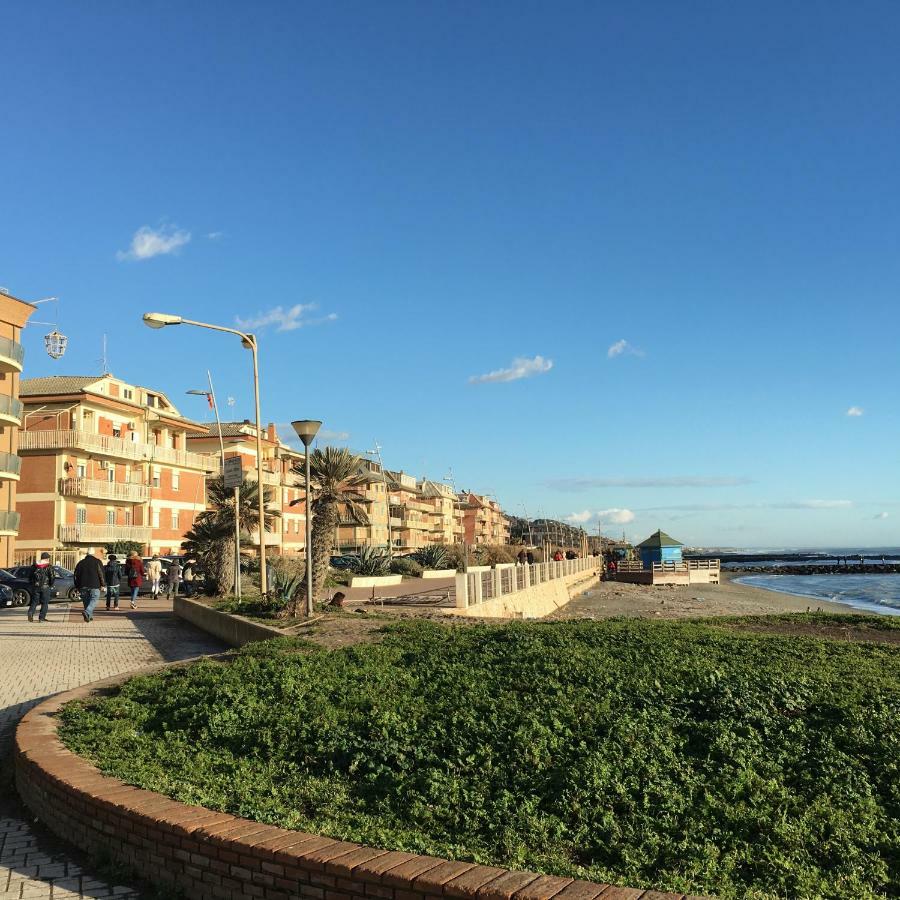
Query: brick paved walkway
x,y
37,660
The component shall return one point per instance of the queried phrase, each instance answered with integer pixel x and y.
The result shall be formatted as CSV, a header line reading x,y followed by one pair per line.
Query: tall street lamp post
x,y
306,430
248,341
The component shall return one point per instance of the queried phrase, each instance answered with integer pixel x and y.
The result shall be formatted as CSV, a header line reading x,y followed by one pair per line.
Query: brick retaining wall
x,y
211,855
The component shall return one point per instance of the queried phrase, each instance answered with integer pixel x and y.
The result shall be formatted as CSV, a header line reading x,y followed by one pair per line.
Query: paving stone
x,y
37,661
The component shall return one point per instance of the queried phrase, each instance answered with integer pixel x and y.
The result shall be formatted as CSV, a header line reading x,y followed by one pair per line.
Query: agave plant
x,y
371,561
435,556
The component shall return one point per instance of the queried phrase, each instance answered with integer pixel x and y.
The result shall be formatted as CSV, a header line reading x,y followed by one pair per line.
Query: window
x,y
110,517
111,474
155,476
117,429
128,394
155,519
176,480
127,516
80,515
175,519
81,470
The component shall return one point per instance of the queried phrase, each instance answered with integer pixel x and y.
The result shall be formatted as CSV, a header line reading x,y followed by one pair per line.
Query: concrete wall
x,y
233,630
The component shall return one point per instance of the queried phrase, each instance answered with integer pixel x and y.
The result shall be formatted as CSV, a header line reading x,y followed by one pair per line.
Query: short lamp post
x,y
306,430
248,341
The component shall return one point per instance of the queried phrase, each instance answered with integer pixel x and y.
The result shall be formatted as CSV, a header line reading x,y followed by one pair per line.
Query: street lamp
x,y
306,430
160,320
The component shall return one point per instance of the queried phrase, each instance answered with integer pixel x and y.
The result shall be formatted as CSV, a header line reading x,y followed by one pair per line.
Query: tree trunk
x,y
324,522
220,566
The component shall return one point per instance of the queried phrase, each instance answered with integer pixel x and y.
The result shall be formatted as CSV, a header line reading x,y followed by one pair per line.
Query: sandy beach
x,y
730,598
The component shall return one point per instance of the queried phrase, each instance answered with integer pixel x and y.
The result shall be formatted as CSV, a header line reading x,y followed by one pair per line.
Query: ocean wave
x,y
873,593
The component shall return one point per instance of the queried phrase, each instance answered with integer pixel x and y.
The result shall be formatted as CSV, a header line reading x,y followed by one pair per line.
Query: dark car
x,y
21,586
64,586
6,596
343,562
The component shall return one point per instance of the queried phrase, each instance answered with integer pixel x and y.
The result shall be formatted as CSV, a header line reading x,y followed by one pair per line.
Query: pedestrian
x,y
520,557
187,576
112,571
529,558
174,579
41,577
134,569
89,579
154,573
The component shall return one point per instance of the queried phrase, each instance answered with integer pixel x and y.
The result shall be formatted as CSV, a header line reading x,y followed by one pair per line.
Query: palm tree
x,y
337,489
212,536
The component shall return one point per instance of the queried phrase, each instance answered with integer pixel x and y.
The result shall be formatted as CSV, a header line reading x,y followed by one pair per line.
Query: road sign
x,y
234,472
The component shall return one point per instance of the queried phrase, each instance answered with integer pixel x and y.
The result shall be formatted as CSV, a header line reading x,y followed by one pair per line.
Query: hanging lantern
x,y
55,344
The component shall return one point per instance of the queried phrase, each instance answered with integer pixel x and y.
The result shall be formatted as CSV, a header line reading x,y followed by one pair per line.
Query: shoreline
x,y
607,599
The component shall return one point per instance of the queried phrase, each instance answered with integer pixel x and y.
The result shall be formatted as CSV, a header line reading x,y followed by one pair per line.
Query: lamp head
x,y
160,320
198,393
306,430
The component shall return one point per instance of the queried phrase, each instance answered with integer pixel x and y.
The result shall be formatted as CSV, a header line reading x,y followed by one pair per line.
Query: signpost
x,y
233,475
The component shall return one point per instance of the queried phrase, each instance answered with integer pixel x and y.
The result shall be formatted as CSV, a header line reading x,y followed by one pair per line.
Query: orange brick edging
x,y
211,855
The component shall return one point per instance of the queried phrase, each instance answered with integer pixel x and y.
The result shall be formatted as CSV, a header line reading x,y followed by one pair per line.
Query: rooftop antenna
x,y
376,451
104,359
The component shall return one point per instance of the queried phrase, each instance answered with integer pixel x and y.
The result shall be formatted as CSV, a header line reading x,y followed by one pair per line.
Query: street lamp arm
x,y
244,336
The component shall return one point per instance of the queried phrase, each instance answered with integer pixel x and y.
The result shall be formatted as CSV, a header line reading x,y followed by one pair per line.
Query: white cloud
x,y
815,504
576,485
580,518
289,436
521,367
215,235
623,347
286,319
855,411
148,242
326,434
615,516
882,515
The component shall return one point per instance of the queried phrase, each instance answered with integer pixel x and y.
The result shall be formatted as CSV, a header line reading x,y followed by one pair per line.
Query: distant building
x,y
658,548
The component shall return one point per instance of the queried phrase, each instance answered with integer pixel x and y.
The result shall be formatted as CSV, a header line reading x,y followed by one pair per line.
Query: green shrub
x,y
658,754
406,566
371,561
435,556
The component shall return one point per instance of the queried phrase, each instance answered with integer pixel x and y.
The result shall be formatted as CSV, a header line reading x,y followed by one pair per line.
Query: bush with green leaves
x,y
406,565
434,556
371,561
674,755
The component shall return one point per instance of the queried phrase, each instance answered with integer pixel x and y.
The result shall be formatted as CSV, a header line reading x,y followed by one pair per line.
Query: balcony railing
x,y
12,355
9,522
104,490
10,466
85,533
11,409
119,448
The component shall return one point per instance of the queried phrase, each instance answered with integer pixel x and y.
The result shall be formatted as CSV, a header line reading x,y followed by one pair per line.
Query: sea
x,y
871,592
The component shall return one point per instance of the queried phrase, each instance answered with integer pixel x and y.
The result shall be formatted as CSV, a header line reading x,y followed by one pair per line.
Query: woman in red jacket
x,y
134,569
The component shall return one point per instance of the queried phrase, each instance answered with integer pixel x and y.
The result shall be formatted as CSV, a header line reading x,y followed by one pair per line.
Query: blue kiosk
x,y
659,548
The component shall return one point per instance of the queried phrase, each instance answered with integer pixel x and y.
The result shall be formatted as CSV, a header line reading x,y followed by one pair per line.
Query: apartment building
x,y
13,316
446,511
104,461
352,537
281,481
411,515
483,520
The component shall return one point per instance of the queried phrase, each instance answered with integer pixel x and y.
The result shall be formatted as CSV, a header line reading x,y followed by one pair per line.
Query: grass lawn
x,y
677,755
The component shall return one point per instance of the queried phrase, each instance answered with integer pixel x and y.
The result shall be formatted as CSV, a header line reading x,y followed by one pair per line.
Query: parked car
x,y
343,562
21,587
6,596
64,586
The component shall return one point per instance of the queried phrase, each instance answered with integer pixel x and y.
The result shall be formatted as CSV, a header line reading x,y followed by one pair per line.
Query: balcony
x,y
12,355
10,465
9,523
10,410
83,533
104,490
115,448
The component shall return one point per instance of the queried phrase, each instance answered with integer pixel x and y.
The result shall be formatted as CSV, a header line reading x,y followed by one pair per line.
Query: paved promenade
x,y
37,660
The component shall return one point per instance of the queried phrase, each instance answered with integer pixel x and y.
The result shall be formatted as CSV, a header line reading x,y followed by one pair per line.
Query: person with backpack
x,y
113,573
173,577
134,569
41,577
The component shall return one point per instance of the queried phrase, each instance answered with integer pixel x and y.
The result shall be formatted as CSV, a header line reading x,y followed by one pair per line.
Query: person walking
x,y
154,573
134,570
112,571
89,580
41,577
173,579
187,575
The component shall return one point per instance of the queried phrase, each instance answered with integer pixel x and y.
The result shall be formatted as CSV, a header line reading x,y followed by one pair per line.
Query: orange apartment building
x,y
106,461
351,538
483,520
13,316
284,486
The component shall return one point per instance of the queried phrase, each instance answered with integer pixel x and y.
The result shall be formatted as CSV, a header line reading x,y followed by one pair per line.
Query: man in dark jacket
x,y
89,579
41,576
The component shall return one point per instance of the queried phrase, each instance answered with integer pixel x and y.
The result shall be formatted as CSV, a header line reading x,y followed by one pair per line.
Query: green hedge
x,y
660,754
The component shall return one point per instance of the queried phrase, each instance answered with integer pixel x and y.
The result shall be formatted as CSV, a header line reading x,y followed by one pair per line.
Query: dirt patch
x,y
860,632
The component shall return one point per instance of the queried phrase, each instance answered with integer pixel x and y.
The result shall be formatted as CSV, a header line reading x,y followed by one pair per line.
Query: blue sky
x,y
457,190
